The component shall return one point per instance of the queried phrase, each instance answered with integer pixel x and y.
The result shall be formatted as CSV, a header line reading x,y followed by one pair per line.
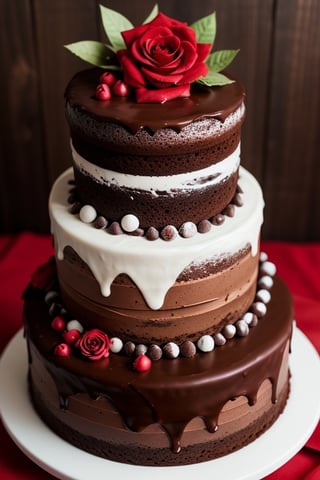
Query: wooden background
x,y
279,64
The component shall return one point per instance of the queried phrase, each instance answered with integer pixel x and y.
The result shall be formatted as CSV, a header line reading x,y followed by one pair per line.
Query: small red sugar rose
x,y
94,344
162,54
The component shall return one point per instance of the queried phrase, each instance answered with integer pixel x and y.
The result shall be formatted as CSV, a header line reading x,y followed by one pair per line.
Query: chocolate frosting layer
x,y
204,102
173,392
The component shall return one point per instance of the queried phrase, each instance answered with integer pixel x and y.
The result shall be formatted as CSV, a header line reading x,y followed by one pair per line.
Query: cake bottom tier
x,y
181,411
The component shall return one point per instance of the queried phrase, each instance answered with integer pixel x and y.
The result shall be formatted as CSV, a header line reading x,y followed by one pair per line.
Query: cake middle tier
x,y
133,288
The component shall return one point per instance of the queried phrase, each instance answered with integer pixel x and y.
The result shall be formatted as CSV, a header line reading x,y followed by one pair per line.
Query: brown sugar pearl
x,y
171,350
218,219
154,352
152,234
229,210
100,222
204,226
129,348
75,208
237,200
115,229
188,349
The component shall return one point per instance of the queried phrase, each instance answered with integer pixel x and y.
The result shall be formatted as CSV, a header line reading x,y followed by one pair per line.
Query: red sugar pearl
x,y
103,92
58,324
71,336
62,350
108,78
142,363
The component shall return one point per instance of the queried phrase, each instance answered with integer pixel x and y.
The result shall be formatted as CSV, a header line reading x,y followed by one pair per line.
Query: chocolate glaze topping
x,y
204,102
173,391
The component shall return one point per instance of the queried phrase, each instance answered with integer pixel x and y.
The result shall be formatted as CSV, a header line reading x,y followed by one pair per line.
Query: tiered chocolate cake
x,y
159,335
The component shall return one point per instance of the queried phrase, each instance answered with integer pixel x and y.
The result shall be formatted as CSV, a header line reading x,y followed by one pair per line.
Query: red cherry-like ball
x,y
58,323
71,336
108,78
142,363
103,92
62,350
120,89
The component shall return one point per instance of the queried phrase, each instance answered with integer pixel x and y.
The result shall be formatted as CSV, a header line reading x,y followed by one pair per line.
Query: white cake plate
x,y
274,448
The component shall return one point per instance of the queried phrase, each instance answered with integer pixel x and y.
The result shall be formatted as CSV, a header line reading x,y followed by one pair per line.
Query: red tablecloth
x,y
298,264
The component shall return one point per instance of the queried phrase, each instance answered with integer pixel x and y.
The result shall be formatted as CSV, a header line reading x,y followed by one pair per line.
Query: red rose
x,y
162,59
94,344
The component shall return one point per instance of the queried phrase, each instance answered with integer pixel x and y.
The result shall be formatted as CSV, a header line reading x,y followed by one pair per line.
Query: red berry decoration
x,y
58,323
108,78
142,363
71,336
62,350
103,92
120,89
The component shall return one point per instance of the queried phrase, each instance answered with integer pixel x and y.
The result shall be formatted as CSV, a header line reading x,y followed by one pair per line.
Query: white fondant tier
x,y
153,265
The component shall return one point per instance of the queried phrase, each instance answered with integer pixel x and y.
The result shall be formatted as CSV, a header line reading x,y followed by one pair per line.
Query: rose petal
x,y
143,95
203,50
132,74
197,71
161,81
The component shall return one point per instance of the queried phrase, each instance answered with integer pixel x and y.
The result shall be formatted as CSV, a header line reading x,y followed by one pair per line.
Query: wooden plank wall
x,y
279,64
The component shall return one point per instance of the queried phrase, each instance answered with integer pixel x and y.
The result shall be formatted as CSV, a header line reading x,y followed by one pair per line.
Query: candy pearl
x,y
62,350
263,257
259,309
71,336
120,89
188,230
87,214
129,223
263,295
242,328
108,78
268,268
154,352
140,349
116,345
171,350
103,92
188,349
219,339
205,343
265,282
142,363
229,331
58,324
74,325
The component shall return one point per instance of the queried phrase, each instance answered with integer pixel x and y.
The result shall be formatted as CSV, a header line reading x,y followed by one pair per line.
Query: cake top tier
x,y
203,102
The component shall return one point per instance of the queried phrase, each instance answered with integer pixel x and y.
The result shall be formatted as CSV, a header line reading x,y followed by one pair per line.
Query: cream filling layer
x,y
197,179
153,266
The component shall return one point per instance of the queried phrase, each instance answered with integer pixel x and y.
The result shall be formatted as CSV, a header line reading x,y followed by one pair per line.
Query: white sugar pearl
x,y
265,282
129,223
259,309
205,343
268,268
87,214
229,331
263,295
248,317
74,325
242,328
116,345
263,257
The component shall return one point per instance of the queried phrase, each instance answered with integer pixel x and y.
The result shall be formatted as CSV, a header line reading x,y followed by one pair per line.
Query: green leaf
x,y
205,28
215,79
154,12
93,52
219,60
114,23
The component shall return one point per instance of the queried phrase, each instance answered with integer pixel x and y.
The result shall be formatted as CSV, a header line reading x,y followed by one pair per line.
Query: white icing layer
x,y
197,179
153,266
